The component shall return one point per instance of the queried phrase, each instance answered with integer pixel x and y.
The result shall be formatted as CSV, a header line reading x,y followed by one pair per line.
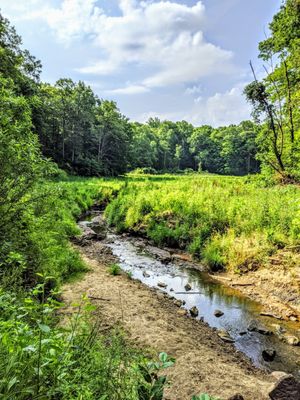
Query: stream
x,y
144,263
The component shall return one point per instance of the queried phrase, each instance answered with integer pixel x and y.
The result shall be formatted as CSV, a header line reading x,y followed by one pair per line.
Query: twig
x,y
242,284
98,298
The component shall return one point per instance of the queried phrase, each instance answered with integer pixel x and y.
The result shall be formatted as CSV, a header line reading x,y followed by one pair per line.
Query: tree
x,y
114,133
276,99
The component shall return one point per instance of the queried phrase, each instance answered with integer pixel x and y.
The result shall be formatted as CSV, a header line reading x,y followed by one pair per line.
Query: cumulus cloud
x,y
163,37
220,109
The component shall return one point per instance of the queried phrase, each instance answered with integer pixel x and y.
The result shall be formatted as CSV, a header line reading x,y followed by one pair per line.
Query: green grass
x,y
45,360
227,222
114,269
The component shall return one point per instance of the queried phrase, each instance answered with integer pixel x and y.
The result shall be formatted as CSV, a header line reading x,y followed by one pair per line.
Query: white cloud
x,y
221,109
164,37
196,89
131,89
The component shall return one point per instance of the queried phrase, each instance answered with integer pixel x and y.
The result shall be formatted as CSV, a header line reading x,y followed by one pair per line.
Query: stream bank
x,y
176,290
204,363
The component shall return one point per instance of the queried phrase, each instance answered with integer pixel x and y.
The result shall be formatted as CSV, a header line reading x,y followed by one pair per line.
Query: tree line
x,y
89,136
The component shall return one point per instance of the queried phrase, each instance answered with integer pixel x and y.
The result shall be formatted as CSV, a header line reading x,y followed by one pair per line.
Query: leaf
x,y
44,328
11,383
163,357
30,348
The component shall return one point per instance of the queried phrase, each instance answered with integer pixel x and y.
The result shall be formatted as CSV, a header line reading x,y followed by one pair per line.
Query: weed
x,y
114,269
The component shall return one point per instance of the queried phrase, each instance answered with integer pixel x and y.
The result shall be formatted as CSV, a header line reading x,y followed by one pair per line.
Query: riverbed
x,y
221,307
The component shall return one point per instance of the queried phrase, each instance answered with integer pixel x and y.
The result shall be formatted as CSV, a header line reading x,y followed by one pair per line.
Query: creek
x,y
171,276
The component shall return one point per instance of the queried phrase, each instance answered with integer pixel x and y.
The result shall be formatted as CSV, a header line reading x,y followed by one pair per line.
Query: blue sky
x,y
172,59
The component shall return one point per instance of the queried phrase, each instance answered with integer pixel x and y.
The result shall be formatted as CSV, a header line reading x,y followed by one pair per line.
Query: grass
x,y
114,269
42,359
227,222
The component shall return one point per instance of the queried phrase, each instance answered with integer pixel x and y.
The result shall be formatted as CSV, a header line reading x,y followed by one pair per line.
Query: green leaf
x,y
11,383
44,328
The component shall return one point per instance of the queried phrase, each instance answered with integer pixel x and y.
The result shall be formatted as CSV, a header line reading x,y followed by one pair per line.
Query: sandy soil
x,y
276,285
204,363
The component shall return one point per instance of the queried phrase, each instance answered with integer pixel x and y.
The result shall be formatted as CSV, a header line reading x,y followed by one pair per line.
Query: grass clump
x,y
114,269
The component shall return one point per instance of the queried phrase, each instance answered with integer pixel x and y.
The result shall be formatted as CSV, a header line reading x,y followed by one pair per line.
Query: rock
x,y
287,388
188,287
256,327
194,312
279,329
107,251
84,224
163,255
179,303
269,314
146,275
139,243
160,295
293,318
218,313
162,284
182,311
268,354
236,397
291,340
87,233
182,257
224,335
99,225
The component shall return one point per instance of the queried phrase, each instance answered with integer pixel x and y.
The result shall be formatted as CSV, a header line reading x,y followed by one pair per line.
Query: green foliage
x,y
129,275
169,146
276,99
43,360
225,221
114,269
152,386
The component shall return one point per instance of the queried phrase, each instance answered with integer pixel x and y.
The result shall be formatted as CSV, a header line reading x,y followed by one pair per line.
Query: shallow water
x,y
208,295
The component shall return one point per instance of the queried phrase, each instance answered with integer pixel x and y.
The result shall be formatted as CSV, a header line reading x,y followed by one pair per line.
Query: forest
x,y
227,197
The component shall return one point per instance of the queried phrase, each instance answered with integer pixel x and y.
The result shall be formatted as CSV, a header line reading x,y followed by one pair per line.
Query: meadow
x,y
226,222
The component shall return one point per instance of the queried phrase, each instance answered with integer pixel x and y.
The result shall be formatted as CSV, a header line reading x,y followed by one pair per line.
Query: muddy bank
x,y
204,363
275,285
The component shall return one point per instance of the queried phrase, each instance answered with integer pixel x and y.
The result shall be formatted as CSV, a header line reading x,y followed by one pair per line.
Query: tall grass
x,y
224,221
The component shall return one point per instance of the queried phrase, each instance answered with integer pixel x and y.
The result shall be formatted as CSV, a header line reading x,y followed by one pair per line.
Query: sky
x,y
177,60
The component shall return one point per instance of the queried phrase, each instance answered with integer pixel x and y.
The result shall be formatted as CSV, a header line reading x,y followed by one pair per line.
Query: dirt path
x,y
204,363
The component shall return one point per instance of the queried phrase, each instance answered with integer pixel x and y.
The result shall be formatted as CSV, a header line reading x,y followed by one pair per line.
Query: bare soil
x,y
204,363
